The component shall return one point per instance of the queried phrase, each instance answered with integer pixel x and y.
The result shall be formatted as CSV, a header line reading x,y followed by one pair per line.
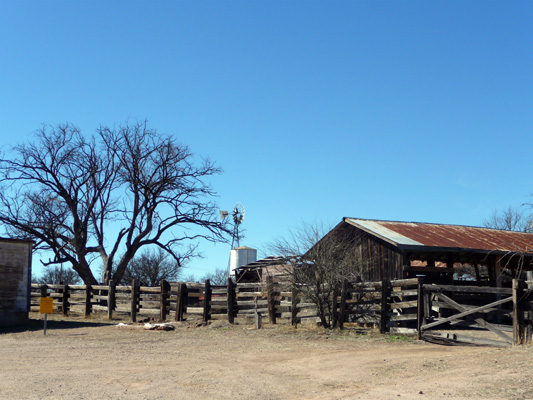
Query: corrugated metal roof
x,y
453,236
264,262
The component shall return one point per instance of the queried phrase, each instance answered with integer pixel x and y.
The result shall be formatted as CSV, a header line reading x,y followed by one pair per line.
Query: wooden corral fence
x,y
389,305
505,312
404,306
359,303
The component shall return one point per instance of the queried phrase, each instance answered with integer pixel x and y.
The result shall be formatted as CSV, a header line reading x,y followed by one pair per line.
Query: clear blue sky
x,y
400,110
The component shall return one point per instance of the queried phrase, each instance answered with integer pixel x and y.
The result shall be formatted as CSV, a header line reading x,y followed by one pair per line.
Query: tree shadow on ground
x,y
38,325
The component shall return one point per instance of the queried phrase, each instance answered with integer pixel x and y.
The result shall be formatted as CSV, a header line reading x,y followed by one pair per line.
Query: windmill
x,y
238,216
238,256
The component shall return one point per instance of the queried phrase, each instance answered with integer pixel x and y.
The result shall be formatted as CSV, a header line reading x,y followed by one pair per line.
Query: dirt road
x,y
81,360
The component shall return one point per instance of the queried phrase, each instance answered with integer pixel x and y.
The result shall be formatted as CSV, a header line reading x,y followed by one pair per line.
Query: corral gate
x,y
446,310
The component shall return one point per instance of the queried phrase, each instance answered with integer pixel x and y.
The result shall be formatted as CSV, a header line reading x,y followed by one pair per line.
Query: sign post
x,y
46,307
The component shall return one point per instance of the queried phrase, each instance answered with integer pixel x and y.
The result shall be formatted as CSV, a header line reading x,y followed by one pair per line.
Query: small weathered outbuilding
x,y
15,281
258,271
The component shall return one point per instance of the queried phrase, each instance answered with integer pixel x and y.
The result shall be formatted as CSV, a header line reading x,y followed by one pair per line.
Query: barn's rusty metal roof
x,y
446,236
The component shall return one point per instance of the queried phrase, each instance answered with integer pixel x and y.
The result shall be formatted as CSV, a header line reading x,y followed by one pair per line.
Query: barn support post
x,y
271,301
88,301
163,305
110,299
207,301
420,320
294,305
529,309
335,306
342,305
66,303
498,277
519,292
231,301
181,301
385,294
134,299
476,268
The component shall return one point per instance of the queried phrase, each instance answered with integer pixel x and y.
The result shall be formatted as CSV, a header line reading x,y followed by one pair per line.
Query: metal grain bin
x,y
241,256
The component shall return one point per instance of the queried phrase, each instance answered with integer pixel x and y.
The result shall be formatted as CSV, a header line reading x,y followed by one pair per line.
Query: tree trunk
x,y
85,274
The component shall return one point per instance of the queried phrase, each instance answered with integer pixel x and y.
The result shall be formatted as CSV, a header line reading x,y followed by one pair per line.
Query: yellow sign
x,y
46,305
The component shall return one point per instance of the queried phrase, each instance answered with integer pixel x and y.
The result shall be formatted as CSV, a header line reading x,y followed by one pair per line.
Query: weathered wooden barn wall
x,y
374,259
15,281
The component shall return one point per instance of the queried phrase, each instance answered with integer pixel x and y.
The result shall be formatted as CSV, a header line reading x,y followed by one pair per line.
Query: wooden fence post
x,y
231,301
207,301
60,291
66,303
110,299
88,297
342,306
420,308
294,306
258,318
181,301
334,306
271,301
134,299
519,336
44,290
385,293
163,308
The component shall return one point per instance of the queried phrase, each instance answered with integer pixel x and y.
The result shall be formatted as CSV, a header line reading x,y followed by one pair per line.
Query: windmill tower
x,y
238,217
239,256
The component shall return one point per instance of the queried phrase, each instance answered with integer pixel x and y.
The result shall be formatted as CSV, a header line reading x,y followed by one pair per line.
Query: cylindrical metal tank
x,y
241,256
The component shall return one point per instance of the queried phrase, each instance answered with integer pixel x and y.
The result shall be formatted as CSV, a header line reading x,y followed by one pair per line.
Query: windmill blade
x,y
238,213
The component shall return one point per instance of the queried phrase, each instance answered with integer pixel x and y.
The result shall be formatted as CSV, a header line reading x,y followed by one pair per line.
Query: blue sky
x,y
316,110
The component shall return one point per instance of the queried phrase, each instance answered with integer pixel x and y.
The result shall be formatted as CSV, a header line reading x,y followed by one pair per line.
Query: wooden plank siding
x,y
375,259
15,280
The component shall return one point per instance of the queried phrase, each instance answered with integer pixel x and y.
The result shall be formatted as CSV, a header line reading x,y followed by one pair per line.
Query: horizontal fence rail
x,y
355,303
405,306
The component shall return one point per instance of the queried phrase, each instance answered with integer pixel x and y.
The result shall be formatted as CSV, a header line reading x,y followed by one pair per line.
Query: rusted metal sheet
x,y
264,262
452,236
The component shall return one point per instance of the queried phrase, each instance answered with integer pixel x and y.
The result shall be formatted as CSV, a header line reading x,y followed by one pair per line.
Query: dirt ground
x,y
91,359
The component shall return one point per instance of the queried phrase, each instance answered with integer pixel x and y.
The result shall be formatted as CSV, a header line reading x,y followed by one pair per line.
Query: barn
x,y
445,254
15,281
441,253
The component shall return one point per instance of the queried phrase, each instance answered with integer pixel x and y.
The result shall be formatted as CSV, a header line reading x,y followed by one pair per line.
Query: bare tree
x,y
189,278
151,267
510,219
59,275
318,264
115,192
219,277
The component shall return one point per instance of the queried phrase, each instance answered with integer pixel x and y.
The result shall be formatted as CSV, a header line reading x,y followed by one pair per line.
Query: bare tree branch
x,y
510,219
318,263
117,191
